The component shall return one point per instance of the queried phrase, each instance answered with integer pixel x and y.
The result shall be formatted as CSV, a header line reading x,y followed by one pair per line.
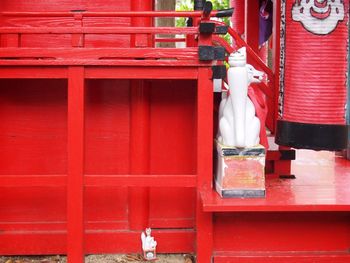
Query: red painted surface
x,y
83,124
308,99
238,17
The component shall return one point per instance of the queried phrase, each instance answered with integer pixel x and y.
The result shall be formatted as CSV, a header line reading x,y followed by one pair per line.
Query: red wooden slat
x,y
97,242
75,180
108,14
204,162
33,72
276,257
142,180
98,30
104,62
32,180
99,53
100,180
318,199
163,72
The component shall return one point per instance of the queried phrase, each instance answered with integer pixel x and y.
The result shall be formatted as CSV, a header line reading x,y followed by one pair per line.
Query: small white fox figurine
x,y
148,245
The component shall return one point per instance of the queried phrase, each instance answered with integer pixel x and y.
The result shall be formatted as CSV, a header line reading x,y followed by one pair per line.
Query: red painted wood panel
x,y
173,150
313,231
33,127
34,120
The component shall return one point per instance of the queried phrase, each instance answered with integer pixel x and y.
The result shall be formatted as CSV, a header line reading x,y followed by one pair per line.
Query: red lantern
x,y
313,75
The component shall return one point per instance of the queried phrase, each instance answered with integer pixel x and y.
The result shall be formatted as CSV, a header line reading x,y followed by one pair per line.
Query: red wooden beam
x,y
204,163
75,179
111,14
56,180
29,72
138,202
99,53
99,30
276,257
312,199
103,62
142,180
163,72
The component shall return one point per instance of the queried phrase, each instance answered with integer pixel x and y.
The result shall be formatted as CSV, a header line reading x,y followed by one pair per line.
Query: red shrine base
x,y
306,219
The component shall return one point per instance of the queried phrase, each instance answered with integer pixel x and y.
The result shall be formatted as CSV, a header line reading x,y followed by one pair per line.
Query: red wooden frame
x,y
221,230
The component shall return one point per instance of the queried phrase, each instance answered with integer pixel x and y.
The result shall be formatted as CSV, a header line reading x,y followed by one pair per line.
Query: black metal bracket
x,y
221,30
206,53
219,53
286,155
206,28
219,72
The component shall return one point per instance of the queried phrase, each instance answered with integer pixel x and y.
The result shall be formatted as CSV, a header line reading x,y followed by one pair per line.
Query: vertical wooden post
x,y
139,127
204,163
252,24
139,153
75,180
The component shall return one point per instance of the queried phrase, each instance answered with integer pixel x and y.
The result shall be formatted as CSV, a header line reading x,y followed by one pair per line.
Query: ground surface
x,y
163,258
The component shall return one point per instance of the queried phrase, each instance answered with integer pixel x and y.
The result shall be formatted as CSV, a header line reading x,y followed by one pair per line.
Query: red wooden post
x,y
252,24
75,179
204,163
139,128
139,153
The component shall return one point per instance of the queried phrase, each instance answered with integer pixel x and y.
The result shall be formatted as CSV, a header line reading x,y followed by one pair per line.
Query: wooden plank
x,y
52,180
142,180
54,226
97,242
139,152
204,162
186,180
311,199
108,14
103,62
33,72
163,72
9,40
98,30
99,53
287,257
75,180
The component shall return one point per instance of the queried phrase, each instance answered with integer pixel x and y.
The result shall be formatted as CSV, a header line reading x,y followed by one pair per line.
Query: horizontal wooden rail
x,y
188,180
109,69
97,241
286,257
110,14
99,53
98,30
170,39
184,180
104,62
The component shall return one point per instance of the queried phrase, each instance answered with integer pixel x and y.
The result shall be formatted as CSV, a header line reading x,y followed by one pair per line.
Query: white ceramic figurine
x,y
148,245
238,125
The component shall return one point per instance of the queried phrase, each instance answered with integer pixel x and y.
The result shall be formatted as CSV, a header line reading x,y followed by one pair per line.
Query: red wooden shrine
x,y
102,135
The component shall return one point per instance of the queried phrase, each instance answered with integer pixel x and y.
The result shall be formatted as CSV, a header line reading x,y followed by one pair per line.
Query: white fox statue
x,y
238,125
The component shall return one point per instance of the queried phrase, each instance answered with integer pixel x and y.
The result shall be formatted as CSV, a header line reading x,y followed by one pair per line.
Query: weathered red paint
x,y
83,123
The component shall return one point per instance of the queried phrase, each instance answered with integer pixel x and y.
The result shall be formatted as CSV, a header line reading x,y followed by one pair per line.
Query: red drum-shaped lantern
x,y
313,74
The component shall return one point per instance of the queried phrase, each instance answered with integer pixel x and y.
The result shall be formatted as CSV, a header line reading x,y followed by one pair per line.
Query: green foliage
x,y
187,5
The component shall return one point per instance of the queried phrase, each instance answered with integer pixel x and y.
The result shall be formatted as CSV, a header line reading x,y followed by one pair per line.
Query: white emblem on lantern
x,y
319,17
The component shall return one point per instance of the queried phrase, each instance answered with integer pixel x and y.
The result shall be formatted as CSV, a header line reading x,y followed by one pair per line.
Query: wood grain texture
x,y
75,165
